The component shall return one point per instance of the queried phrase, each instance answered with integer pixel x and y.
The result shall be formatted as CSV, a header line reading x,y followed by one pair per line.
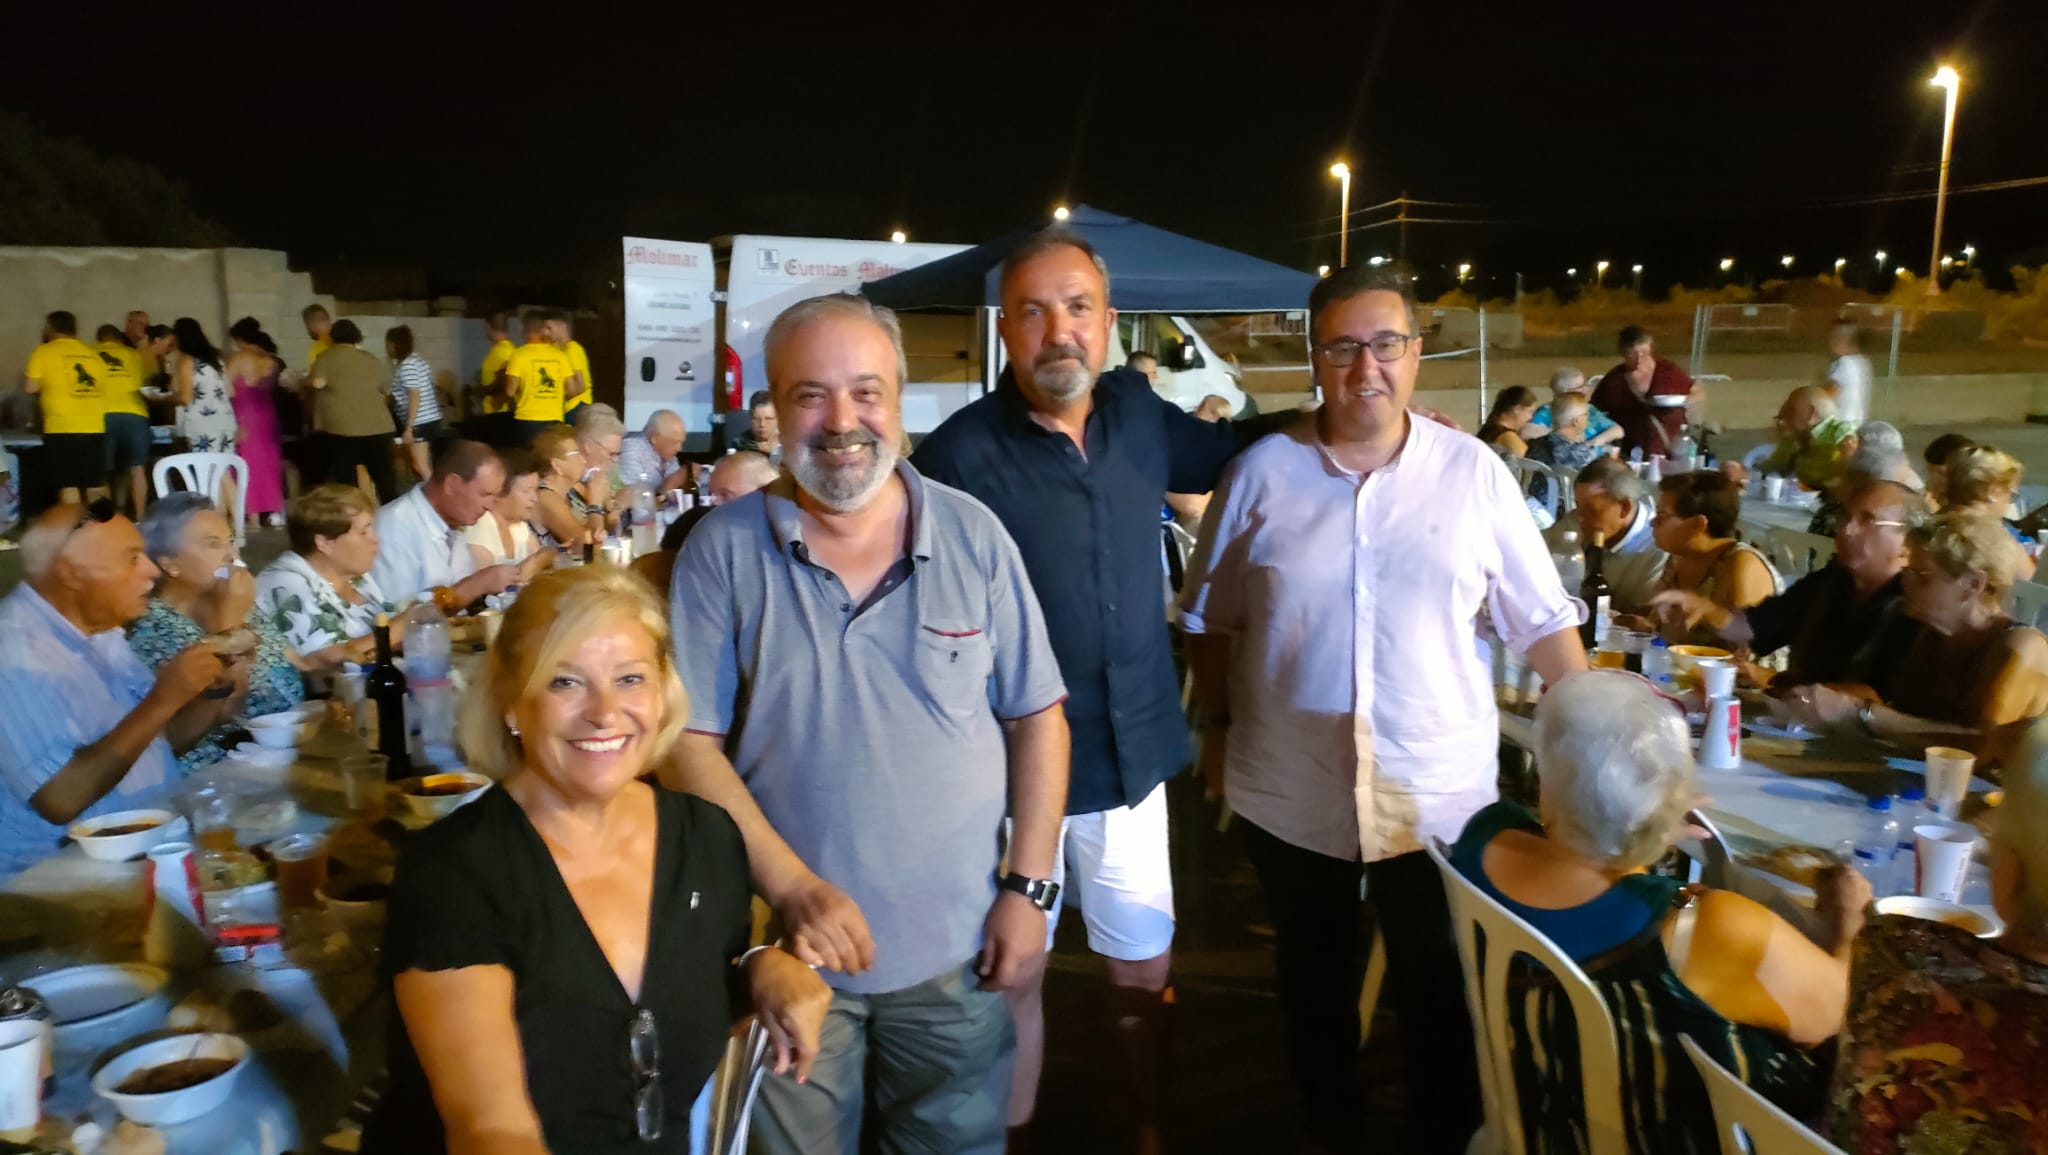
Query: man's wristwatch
x,y
1042,892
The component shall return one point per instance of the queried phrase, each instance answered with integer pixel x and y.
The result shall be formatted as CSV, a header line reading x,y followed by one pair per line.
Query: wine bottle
x,y
1593,591
384,697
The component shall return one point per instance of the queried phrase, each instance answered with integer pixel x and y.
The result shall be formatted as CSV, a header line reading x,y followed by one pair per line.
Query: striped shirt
x,y
61,690
414,375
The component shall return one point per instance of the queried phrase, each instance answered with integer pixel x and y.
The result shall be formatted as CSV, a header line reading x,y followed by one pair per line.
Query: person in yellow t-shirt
x,y
123,374
488,386
538,379
318,325
66,376
558,336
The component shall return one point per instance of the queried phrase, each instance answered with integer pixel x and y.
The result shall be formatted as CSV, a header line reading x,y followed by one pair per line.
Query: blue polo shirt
x,y
871,733
1088,527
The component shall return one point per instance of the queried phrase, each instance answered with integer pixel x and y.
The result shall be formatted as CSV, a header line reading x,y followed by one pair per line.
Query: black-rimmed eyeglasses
x,y
643,1043
1386,348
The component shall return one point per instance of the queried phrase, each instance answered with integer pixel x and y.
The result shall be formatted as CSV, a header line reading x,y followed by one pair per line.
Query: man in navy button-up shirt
x,y
1076,464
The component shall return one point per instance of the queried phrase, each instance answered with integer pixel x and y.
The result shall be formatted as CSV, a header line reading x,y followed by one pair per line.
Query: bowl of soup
x,y
1946,913
122,835
172,1079
439,795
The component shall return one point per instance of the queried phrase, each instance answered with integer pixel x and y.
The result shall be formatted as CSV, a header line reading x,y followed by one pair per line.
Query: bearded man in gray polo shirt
x,y
866,648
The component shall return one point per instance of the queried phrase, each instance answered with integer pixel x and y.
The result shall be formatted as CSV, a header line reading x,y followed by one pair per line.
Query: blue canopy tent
x,y
1150,271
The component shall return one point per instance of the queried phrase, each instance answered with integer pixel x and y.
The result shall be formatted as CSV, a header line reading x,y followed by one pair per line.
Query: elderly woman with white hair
x,y
601,436
203,592
1615,759
1569,382
1983,1000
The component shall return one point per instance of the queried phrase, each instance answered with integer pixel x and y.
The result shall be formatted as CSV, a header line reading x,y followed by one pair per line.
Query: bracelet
x,y
750,952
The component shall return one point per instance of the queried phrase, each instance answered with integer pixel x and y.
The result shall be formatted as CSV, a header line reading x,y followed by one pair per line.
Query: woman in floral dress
x,y
320,595
202,592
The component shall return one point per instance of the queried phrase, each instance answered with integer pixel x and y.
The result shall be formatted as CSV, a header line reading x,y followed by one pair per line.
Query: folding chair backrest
x,y
1506,936
1764,1128
202,473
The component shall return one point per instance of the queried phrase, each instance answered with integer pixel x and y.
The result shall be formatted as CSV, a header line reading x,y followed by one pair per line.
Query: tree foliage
x,y
61,192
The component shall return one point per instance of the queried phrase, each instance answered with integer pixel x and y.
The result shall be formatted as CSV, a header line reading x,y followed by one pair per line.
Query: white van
x,y
1189,370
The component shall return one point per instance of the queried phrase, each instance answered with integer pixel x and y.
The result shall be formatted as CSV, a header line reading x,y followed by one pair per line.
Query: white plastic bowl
x,y
1935,910
172,1106
121,847
442,805
287,728
93,1007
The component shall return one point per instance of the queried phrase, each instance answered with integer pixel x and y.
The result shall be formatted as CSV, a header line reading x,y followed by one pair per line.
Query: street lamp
x,y
1880,260
1786,260
1839,262
897,237
1571,272
1727,264
1376,262
1637,272
1969,254
1599,271
1060,213
1946,261
1944,78
1463,272
1322,270
1342,172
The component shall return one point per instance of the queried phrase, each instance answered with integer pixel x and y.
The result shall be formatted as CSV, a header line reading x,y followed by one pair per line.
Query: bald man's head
x,y
90,564
665,432
739,474
1805,408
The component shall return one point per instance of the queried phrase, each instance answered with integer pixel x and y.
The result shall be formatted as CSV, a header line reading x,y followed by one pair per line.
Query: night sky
x,y
490,151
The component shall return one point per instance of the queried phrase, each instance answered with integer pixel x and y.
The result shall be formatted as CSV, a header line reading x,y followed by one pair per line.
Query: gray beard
x,y
1063,382
841,489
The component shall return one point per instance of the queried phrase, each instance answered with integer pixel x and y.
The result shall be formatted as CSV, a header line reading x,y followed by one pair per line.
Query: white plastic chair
x,y
731,1093
1797,554
1526,472
1746,1122
1507,936
202,473
2029,600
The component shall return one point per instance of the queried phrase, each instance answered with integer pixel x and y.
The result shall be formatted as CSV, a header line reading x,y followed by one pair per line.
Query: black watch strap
x,y
1042,892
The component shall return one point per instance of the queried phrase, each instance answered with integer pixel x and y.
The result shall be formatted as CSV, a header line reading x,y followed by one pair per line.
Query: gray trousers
x,y
936,1056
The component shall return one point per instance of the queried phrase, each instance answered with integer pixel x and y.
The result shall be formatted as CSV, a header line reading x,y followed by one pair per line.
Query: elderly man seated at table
x,y
84,729
1613,505
1670,960
1946,1035
1971,670
319,594
421,552
1810,438
202,592
649,456
1570,382
1845,622
1696,514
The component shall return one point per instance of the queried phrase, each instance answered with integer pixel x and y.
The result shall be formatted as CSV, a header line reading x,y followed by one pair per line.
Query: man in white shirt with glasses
x,y
1346,704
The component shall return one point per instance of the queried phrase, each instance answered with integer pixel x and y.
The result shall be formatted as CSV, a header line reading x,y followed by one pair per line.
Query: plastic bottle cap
x,y
1659,643
1881,802
1912,794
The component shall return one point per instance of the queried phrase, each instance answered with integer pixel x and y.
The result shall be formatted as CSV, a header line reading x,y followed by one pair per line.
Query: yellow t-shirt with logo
x,y
581,361
494,361
68,376
543,372
124,374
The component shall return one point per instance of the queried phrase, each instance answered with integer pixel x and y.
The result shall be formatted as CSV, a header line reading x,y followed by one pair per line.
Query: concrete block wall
x,y
452,343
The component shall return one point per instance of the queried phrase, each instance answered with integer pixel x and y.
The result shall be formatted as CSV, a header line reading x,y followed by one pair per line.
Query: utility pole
x,y
1402,217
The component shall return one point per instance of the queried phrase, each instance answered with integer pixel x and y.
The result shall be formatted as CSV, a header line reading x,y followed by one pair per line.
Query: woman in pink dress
x,y
252,372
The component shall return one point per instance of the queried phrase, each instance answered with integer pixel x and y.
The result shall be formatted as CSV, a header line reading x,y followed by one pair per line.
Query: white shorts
x,y
1113,864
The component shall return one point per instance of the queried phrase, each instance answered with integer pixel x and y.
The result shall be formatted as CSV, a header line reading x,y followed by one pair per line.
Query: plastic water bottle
x,y
1657,664
1877,845
426,644
1911,809
646,531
